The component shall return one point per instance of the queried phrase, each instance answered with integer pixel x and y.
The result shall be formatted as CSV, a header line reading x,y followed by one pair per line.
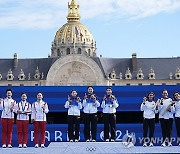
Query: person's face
x,y
177,96
9,94
165,94
23,97
151,96
39,96
108,91
90,90
74,93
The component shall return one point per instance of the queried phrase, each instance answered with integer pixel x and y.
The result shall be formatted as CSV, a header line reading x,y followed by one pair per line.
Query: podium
x,y
90,147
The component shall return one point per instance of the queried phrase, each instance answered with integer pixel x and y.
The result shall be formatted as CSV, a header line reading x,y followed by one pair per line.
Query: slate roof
x,y
161,66
27,65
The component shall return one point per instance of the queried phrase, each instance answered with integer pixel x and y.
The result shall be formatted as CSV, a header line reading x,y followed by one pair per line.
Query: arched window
x,y
58,53
79,50
89,52
68,51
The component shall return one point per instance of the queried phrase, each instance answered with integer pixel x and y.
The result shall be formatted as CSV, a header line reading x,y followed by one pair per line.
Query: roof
x,y
27,65
161,66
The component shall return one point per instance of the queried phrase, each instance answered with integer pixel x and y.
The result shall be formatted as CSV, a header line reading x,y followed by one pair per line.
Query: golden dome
x,y
73,35
73,32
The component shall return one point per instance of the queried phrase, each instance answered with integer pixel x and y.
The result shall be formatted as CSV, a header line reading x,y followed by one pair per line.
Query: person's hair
x,y
9,90
174,98
40,93
164,90
23,94
149,94
108,88
90,87
73,90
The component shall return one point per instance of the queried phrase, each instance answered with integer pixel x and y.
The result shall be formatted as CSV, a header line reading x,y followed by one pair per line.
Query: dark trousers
x,y
177,120
148,124
109,124
73,126
90,125
166,127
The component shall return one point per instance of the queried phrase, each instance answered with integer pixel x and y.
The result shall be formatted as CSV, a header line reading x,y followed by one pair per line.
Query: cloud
x,y
46,14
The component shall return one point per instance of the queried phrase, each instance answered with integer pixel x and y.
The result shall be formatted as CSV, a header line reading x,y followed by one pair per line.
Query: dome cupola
x,y
73,37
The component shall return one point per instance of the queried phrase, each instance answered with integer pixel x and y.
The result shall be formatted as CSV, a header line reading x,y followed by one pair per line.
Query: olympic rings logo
x,y
91,149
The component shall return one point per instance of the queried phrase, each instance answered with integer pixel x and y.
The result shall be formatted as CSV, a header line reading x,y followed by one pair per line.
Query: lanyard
x,y
23,107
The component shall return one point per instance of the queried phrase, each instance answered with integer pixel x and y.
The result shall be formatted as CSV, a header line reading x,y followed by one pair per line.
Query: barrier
x,y
129,97
58,133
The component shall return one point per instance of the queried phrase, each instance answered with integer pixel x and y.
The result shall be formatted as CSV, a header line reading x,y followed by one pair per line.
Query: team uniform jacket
x,y
73,107
38,113
162,108
90,105
5,107
149,109
23,106
109,105
177,108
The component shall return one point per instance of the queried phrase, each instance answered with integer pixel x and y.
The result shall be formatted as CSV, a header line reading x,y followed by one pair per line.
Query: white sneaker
x,y
93,140
179,144
112,140
170,144
163,144
24,146
144,145
4,146
87,140
151,144
20,145
71,140
76,140
107,140
42,146
9,146
36,146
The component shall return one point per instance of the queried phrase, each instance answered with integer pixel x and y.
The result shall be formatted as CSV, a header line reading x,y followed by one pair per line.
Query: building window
x,y
68,51
79,50
58,53
89,52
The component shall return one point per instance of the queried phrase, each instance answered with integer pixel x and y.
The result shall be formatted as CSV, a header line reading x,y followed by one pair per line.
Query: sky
x,y
150,28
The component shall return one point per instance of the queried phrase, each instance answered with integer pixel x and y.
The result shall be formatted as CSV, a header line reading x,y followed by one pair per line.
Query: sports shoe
x,y
71,141
36,146
9,146
4,146
144,145
20,145
112,140
42,146
169,144
107,140
93,140
76,140
87,140
163,144
151,144
24,146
